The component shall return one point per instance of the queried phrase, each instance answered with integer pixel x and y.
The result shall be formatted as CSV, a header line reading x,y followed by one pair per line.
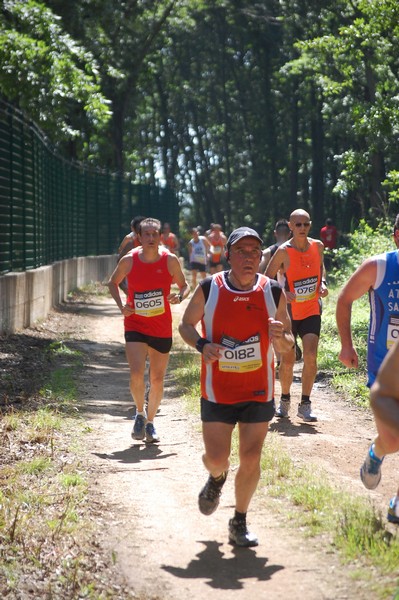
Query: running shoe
x,y
284,408
151,435
239,534
209,496
138,428
305,412
370,471
393,511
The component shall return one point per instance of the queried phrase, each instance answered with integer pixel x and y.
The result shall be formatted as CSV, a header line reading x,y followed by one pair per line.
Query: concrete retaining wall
x,y
29,296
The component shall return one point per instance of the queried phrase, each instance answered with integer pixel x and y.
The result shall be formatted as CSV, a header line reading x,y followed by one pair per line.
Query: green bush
x,y
364,242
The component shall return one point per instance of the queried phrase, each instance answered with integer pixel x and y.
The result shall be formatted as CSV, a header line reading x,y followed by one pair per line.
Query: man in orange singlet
x,y
130,241
169,239
242,313
150,272
301,261
217,240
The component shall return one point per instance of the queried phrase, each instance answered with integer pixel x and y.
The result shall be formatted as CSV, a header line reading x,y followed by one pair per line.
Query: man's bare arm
x,y
277,263
359,283
280,327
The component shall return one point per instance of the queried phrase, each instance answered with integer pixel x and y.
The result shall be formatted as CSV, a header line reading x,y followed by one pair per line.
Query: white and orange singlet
x,y
239,321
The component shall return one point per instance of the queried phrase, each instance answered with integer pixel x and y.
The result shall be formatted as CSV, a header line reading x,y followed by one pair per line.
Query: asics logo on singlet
x,y
241,299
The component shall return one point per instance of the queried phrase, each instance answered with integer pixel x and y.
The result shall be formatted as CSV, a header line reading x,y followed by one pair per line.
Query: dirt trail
x,y
147,494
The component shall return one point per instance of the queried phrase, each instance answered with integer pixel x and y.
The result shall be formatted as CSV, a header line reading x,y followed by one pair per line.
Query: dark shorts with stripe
x,y
242,412
309,325
196,266
162,345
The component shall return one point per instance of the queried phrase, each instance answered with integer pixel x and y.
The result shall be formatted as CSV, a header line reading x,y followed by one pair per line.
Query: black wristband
x,y
180,296
200,343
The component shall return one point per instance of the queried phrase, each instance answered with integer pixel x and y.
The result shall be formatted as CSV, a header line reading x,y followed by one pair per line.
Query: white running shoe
x,y
305,412
283,409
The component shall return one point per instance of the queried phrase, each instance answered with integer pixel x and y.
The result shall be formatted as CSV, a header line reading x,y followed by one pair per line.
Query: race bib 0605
x,y
150,303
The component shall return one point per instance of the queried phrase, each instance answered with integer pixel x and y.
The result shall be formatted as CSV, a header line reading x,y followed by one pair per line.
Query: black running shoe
x,y
209,496
239,534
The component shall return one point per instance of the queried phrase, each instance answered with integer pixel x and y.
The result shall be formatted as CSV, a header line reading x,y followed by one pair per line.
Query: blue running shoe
x,y
370,472
393,511
138,428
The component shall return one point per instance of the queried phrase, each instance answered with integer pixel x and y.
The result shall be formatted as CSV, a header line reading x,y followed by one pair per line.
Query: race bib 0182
x,y
242,357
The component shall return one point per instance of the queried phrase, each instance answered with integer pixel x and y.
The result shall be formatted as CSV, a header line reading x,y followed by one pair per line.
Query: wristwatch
x,y
180,296
201,342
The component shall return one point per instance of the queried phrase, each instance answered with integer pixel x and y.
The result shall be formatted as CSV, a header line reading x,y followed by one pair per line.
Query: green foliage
x,y
391,184
364,242
246,109
50,76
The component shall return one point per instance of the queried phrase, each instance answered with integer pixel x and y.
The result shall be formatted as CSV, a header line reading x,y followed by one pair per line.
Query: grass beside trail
x,y
351,383
48,546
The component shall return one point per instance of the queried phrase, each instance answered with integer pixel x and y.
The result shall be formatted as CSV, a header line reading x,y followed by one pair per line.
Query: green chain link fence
x,y
52,209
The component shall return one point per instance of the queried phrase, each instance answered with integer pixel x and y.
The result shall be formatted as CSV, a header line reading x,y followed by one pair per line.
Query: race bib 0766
x,y
305,289
150,303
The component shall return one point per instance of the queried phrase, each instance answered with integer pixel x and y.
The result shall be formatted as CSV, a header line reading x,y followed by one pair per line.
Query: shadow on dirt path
x,y
146,495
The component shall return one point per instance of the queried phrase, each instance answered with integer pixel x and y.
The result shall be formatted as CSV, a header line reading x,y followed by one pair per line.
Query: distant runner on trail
x,y
300,259
329,237
282,233
198,248
242,313
217,240
150,272
169,239
379,277
130,241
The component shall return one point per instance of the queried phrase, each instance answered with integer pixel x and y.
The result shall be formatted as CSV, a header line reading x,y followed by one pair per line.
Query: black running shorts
x,y
309,325
162,345
196,266
242,412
